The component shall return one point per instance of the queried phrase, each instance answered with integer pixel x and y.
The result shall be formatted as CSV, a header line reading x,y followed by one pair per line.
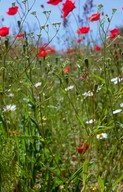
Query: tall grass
x,y
61,116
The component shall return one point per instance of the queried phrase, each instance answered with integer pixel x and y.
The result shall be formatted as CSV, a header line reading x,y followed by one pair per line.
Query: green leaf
x,y
85,170
100,6
114,11
75,174
33,120
99,78
101,184
117,181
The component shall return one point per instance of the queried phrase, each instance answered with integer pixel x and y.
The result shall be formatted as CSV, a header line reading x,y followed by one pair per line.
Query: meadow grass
x,y
61,118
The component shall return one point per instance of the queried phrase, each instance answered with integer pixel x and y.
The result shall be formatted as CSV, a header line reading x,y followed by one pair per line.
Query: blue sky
x,y
56,16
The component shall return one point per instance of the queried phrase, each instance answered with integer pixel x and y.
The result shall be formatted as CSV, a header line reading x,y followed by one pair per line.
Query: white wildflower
x,y
102,136
69,88
37,186
116,80
90,121
9,90
25,99
61,187
11,95
121,105
9,108
88,94
99,88
36,97
117,111
38,84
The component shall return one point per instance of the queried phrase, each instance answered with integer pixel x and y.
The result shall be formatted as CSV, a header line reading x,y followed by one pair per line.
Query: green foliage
x,y
47,114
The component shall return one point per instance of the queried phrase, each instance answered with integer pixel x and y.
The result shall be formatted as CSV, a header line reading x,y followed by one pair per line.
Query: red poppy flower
x,y
4,31
97,48
94,17
12,10
79,41
68,6
83,148
51,50
54,2
83,30
42,53
67,69
84,76
114,33
20,35
41,48
70,51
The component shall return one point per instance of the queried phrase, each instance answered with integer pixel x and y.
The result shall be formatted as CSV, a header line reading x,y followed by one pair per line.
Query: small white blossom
x,y
11,95
117,111
121,105
69,88
102,136
38,84
90,121
9,108
37,186
116,80
88,94
25,99
9,90
61,187
99,88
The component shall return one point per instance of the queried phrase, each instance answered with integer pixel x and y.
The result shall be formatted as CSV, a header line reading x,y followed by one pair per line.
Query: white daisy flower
x,y
116,80
102,136
121,105
9,108
11,95
90,121
25,99
88,94
117,111
38,84
69,88
99,88
9,90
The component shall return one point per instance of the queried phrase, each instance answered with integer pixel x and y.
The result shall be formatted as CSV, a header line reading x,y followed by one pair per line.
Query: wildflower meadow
x,y
61,106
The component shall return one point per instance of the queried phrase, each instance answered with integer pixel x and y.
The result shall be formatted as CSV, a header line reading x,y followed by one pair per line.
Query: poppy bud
x,y
83,148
